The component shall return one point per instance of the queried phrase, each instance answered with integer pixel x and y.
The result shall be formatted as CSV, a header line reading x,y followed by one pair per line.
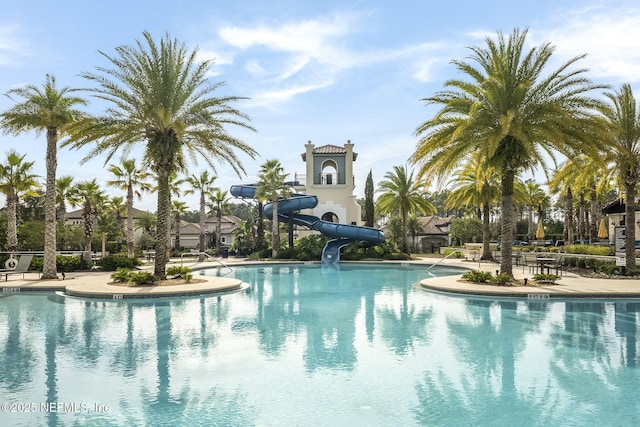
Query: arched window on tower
x,y
329,174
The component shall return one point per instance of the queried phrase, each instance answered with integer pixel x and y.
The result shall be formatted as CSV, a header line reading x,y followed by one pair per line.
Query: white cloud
x,y
11,45
608,35
267,98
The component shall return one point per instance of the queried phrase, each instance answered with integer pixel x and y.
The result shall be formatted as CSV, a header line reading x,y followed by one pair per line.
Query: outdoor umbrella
x,y
540,231
602,230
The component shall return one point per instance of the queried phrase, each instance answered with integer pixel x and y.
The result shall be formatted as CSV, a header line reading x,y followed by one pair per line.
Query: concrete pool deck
x,y
95,284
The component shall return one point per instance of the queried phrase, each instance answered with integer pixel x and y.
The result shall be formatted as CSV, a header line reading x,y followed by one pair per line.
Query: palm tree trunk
x,y
176,245
508,222
162,228
595,217
201,243
12,227
218,231
486,248
129,225
260,227
630,222
275,231
49,270
568,217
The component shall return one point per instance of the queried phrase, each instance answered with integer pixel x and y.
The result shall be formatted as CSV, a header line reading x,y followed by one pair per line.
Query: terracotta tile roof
x,y
329,149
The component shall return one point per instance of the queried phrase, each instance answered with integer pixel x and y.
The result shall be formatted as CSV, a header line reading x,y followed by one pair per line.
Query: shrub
x,y
477,276
501,279
142,278
113,262
178,271
397,256
546,278
121,275
63,263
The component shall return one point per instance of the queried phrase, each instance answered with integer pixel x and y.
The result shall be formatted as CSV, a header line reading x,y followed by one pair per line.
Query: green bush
x,y
545,278
397,256
178,271
121,275
113,262
64,263
142,278
477,276
501,279
589,250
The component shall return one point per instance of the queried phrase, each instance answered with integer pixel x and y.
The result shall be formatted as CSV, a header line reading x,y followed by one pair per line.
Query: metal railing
x,y
209,257
452,252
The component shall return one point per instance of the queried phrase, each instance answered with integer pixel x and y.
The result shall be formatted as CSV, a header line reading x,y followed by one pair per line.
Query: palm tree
x,y
16,181
535,198
132,180
91,198
203,184
147,222
271,187
623,117
51,110
161,95
476,186
401,195
178,209
219,205
414,227
512,114
63,186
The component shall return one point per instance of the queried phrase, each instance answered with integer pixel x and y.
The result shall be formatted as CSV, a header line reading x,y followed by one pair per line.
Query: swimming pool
x,y
307,345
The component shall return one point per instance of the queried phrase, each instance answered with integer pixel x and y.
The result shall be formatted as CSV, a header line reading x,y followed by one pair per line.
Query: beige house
x,y
190,232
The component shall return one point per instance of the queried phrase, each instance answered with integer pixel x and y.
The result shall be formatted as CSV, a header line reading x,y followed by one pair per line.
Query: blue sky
x,y
325,71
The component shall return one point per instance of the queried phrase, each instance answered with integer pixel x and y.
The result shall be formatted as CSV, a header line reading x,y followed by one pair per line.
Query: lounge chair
x,y
24,262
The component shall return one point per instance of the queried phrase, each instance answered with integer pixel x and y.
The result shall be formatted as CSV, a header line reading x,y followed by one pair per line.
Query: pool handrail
x,y
452,252
207,256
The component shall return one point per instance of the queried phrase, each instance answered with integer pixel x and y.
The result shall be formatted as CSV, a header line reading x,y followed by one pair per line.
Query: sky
x,y
321,71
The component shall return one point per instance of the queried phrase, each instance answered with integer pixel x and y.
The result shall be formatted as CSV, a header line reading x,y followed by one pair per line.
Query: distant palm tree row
x,y
510,114
159,95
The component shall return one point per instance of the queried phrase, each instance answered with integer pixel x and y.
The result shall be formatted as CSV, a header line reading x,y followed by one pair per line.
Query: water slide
x,y
342,234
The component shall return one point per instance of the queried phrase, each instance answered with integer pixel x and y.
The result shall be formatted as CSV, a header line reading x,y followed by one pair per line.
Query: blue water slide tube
x,y
288,208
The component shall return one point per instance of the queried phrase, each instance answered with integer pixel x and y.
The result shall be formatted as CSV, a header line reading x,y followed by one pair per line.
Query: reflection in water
x,y
307,345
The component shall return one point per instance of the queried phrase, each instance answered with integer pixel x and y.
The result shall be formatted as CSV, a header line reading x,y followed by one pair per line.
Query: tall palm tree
x,y
51,110
219,205
131,179
623,117
203,184
401,195
91,198
476,185
178,209
160,94
16,181
63,186
512,114
272,187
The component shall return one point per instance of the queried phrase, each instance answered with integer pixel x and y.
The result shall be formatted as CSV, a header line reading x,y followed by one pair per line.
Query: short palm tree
x,y
63,186
178,209
16,181
51,110
623,117
511,113
401,195
89,196
476,186
160,93
219,205
272,187
203,185
131,179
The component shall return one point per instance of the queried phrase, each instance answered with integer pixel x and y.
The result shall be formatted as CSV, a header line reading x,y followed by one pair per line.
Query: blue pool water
x,y
308,346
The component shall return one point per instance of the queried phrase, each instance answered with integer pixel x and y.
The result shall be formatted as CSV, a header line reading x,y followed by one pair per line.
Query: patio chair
x,y
24,262
530,259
